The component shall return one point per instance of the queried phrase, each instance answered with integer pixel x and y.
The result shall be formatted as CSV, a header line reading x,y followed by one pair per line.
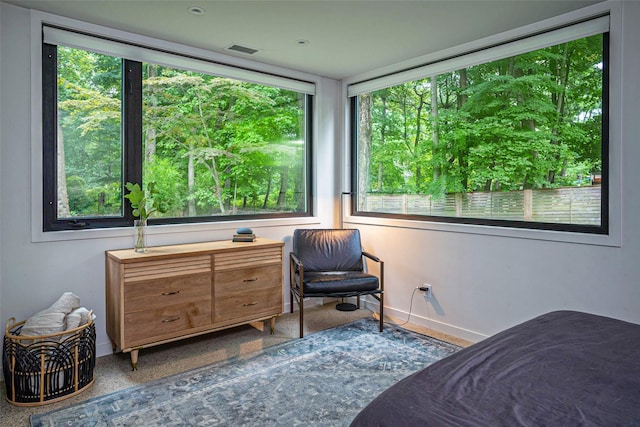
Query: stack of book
x,y
244,235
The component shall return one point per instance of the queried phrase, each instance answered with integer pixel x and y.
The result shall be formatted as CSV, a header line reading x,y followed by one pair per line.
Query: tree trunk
x,y
383,132
227,187
416,141
150,135
299,191
268,193
63,196
300,178
191,174
234,205
562,73
218,186
530,125
282,195
364,148
463,155
434,127
213,168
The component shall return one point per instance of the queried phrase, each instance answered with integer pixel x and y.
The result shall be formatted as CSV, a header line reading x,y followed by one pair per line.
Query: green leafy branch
x,y
142,202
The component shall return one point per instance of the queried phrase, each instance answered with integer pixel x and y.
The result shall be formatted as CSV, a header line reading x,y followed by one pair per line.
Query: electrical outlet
x,y
428,291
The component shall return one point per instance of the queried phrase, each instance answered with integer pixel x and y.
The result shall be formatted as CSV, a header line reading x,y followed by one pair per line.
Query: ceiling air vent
x,y
242,49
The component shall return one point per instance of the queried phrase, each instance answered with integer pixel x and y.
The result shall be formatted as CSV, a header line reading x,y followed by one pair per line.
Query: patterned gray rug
x,y
324,379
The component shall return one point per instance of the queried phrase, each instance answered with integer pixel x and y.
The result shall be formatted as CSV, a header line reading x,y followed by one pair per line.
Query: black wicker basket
x,y
45,369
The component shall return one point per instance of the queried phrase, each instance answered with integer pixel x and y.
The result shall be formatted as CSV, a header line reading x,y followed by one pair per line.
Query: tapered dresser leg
x,y
134,360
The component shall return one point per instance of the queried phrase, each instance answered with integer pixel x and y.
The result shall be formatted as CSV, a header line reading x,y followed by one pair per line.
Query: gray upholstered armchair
x,y
329,263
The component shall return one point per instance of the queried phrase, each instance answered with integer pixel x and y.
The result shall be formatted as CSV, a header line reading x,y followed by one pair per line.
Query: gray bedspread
x,y
563,368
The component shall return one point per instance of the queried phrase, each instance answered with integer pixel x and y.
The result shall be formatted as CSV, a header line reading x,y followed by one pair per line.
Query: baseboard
x,y
308,302
103,349
425,322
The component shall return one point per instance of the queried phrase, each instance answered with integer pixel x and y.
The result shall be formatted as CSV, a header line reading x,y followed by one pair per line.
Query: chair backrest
x,y
328,250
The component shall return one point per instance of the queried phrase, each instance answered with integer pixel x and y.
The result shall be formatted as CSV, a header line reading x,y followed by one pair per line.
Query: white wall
x,y
483,283
35,273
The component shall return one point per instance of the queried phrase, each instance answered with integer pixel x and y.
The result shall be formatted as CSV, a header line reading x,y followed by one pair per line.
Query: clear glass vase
x,y
139,235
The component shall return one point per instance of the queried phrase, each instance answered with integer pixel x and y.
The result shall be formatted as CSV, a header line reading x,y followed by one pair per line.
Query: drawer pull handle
x,y
255,279
249,304
173,319
171,293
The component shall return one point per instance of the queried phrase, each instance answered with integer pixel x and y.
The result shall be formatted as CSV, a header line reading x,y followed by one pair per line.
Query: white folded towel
x,y
52,319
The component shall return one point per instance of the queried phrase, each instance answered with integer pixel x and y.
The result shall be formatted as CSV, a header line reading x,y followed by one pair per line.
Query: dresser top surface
x,y
203,248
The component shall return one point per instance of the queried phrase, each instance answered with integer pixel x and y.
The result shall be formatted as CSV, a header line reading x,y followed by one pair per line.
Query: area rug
x,y
324,379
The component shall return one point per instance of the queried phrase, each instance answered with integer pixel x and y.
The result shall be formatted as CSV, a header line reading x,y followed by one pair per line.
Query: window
x,y
216,145
83,144
519,140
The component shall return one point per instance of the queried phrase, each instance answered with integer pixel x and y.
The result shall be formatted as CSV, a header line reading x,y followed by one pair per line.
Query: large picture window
x,y
517,141
214,147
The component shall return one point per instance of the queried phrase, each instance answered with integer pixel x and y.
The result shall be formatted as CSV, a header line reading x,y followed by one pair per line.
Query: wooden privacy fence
x,y
567,205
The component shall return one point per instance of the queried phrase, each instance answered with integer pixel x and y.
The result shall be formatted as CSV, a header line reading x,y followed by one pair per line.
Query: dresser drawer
x,y
246,258
161,268
161,292
246,293
143,327
235,281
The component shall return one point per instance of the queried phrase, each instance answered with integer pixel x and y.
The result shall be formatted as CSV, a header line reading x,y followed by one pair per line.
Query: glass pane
x,y
216,146
89,134
515,139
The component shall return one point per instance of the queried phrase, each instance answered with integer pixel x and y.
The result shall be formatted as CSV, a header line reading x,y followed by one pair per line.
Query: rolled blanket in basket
x,y
52,319
77,317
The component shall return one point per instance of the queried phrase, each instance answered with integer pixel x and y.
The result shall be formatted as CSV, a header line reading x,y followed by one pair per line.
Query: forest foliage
x,y
212,145
219,146
531,121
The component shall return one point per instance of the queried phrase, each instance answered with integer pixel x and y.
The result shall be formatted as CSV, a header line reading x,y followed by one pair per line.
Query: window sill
x,y
38,236
612,239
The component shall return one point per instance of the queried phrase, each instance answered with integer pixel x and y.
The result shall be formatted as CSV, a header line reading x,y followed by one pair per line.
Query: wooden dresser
x,y
173,292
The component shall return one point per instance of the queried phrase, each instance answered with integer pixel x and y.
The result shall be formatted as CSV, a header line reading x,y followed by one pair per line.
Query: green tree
x,y
516,123
89,144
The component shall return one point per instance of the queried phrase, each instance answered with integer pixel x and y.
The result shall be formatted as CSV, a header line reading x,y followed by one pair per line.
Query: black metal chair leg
x,y
381,311
301,304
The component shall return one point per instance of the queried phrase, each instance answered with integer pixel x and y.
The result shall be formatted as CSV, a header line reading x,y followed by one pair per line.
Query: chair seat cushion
x,y
339,282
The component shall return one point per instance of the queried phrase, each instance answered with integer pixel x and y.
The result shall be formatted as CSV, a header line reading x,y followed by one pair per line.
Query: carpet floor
x,y
113,372
324,379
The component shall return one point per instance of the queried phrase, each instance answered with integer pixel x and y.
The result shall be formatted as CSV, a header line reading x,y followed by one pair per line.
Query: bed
x,y
563,368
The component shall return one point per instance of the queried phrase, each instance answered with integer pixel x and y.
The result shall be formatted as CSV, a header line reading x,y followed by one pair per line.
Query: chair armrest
x,y
381,265
294,259
296,265
371,256
295,268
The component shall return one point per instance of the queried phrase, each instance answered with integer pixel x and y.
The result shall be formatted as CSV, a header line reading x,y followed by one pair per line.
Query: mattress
x,y
563,368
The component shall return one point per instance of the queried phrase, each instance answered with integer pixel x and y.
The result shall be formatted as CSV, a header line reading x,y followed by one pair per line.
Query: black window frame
x,y
602,229
132,154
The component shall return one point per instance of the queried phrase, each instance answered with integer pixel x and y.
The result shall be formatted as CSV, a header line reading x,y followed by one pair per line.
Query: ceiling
x,y
345,38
